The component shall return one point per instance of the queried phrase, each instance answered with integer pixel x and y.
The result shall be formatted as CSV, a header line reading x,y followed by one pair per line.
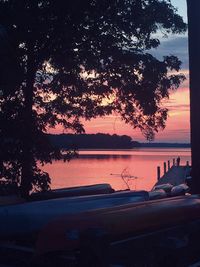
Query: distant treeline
x,y
93,141
104,141
183,145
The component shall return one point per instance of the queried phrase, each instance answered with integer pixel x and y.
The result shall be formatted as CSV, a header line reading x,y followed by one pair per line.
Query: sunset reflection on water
x,y
107,166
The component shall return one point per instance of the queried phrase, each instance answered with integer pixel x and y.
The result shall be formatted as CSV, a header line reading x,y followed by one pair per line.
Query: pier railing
x,y
167,166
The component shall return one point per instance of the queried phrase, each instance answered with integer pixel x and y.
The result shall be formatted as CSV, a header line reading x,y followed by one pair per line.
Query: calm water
x,y
108,166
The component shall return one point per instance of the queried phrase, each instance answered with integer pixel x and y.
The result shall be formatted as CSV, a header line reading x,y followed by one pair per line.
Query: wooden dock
x,y
175,175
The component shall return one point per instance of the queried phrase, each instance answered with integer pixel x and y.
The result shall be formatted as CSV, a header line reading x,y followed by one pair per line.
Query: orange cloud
x,y
177,126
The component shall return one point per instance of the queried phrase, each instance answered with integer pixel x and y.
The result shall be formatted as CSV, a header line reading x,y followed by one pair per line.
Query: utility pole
x,y
194,67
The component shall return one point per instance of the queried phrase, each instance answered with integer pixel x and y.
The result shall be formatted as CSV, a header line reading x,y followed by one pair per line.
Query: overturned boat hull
x,y
29,218
118,223
73,191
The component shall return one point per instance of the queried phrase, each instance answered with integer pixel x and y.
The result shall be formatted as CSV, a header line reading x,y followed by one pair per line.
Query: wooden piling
x,y
168,165
173,162
165,167
178,160
158,172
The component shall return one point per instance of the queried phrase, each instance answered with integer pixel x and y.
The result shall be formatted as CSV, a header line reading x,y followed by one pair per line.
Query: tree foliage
x,y
66,60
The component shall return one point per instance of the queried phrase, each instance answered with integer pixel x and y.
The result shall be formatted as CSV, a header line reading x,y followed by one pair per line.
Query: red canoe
x,y
118,222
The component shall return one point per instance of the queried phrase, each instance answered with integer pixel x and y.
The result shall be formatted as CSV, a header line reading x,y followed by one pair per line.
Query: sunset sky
x,y
177,129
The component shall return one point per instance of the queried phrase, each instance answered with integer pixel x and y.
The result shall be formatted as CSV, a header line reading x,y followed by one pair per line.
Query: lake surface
x,y
137,166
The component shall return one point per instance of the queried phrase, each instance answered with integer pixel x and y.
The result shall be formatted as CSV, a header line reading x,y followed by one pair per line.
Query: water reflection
x,y
92,167
103,156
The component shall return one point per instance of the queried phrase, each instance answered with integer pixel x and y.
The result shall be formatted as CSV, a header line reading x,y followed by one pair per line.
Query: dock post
x,y
165,167
168,165
158,172
178,160
173,162
187,163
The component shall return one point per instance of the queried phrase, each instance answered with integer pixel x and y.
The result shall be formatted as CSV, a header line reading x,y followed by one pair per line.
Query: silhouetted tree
x,y
80,59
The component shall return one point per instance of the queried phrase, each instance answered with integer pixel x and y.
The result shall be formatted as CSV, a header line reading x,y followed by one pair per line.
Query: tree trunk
x,y
194,62
27,153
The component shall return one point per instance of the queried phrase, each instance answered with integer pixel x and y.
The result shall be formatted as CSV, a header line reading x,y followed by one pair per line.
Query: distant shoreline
x,y
105,141
166,145
133,148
